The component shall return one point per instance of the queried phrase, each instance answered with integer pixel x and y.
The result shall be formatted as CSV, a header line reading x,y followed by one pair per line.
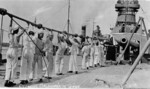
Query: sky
x,y
53,14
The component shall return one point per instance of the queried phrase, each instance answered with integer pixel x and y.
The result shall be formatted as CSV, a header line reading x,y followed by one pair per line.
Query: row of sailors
x,y
93,55
37,51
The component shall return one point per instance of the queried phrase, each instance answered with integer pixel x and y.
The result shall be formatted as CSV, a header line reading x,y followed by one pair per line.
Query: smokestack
x,y
83,32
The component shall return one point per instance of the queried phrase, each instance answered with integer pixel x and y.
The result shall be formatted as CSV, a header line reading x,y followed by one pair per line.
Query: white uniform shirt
x,y
40,45
97,49
92,51
13,43
28,43
86,50
74,47
48,46
61,48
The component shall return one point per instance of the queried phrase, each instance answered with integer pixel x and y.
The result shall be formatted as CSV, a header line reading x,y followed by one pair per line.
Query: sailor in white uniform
x,y
97,54
92,52
48,48
102,58
12,55
59,59
73,67
27,58
86,53
38,56
100,55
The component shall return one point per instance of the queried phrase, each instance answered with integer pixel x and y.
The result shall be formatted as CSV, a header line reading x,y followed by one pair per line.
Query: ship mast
x,y
68,16
1,39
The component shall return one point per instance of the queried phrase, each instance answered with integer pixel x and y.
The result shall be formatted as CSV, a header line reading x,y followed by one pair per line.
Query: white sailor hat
x,y
86,43
49,35
61,35
16,27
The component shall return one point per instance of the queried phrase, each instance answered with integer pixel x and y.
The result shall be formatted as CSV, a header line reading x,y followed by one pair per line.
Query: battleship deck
x,y
108,77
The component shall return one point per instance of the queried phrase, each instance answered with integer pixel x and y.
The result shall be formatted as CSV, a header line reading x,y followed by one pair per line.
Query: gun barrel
x,y
132,43
124,40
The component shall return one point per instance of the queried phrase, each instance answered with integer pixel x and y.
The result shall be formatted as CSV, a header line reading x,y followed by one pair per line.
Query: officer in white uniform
x,y
38,56
73,67
27,58
59,61
48,48
12,55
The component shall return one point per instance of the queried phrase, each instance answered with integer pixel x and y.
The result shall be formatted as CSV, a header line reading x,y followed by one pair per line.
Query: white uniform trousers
x,y
37,59
96,59
103,58
100,58
73,63
50,64
11,65
85,61
59,63
91,59
26,64
88,61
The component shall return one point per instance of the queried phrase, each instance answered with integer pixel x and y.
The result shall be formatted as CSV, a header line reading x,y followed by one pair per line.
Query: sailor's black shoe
x,y
9,83
95,65
12,83
26,81
76,72
40,80
23,82
48,77
61,74
87,68
70,71
31,80
6,84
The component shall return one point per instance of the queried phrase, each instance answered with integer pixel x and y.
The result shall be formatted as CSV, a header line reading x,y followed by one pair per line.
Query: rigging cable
x,y
64,26
145,14
71,28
